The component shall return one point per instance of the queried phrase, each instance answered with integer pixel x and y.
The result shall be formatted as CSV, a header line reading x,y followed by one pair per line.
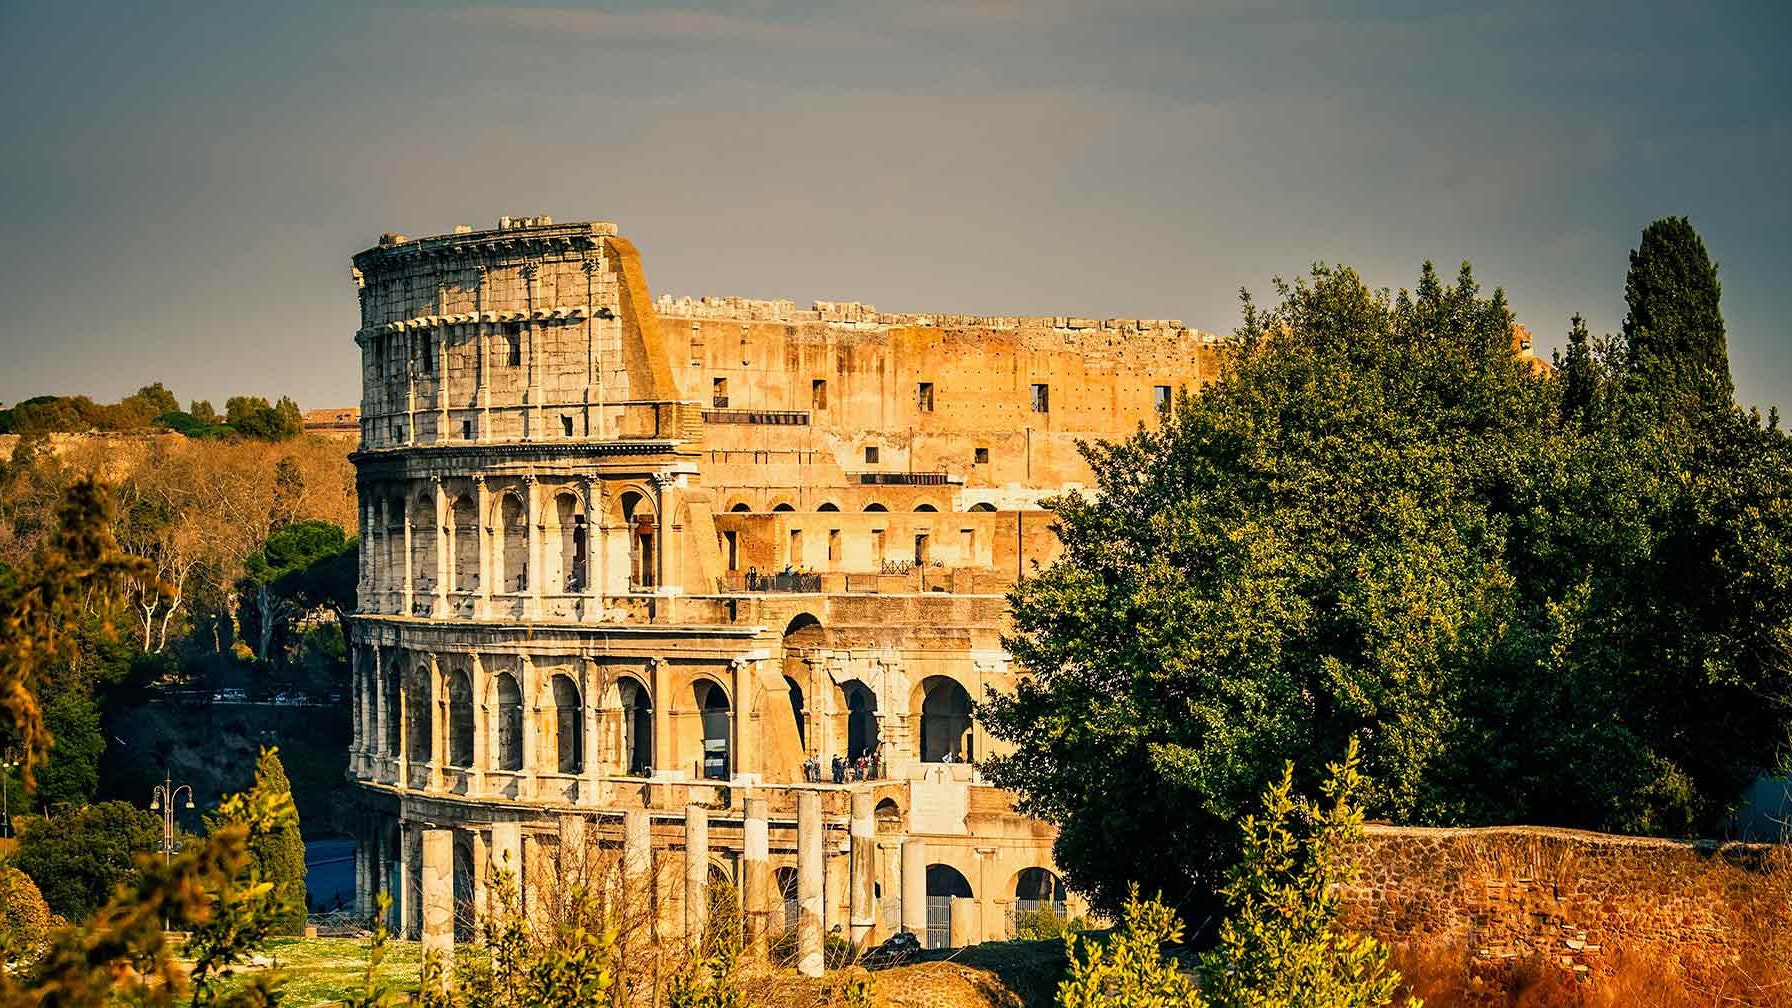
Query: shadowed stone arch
x,y
507,706
945,720
459,687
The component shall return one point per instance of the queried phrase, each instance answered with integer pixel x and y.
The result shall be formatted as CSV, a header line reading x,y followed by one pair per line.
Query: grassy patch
x,y
323,970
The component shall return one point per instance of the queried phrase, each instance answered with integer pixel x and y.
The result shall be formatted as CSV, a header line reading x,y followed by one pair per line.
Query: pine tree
x,y
1579,380
1675,331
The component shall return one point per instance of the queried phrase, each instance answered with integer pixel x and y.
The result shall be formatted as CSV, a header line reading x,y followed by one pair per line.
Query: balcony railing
x,y
775,418
904,478
756,582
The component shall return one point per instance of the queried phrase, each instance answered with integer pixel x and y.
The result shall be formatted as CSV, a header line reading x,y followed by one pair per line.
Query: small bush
x,y
25,919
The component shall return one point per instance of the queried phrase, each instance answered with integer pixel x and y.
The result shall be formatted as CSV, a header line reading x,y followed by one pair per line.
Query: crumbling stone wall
x,y
1573,898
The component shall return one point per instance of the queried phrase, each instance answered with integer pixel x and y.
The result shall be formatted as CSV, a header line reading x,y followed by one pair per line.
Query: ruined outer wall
x,y
856,375
1576,898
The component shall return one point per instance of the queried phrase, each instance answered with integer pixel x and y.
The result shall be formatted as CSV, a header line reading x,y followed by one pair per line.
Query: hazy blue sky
x,y
182,187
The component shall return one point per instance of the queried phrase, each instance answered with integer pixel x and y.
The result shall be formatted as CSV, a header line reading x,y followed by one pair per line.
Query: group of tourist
x,y
866,766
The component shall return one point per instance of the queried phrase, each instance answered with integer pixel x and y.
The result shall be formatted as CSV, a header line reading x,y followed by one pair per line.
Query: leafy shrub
x,y
25,919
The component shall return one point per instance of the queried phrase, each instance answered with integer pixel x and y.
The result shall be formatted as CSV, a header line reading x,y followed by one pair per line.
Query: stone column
x,y
660,673
532,503
572,867
594,550
363,879
483,528
743,752
409,588
401,885
357,687
637,865
914,887
590,692
696,873
438,726
756,874
809,921
525,783
862,866
506,855
481,845
404,729
444,549
963,927
989,888
483,394
531,360
482,732
438,894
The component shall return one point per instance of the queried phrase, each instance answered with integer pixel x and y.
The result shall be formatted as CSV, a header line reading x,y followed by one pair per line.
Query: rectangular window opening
x,y
833,545
921,550
1042,398
466,430
982,456
870,454
718,392
1160,395
924,397
796,548
818,394
513,338
733,541
566,424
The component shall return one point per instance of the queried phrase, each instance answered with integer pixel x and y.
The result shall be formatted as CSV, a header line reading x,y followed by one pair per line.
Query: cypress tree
x,y
280,853
1673,327
1579,381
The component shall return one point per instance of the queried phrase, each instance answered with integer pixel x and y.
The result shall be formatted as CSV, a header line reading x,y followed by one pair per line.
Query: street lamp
x,y
162,798
6,766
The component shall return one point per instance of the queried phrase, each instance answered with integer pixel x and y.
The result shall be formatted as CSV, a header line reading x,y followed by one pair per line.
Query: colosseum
x,y
714,584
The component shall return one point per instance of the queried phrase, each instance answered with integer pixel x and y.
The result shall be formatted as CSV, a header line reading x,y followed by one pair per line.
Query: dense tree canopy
x,y
1533,599
79,857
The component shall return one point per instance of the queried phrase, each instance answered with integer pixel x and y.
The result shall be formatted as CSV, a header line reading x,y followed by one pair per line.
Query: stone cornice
x,y
473,455
512,242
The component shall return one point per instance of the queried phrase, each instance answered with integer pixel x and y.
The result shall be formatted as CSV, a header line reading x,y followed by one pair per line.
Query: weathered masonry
x,y
630,568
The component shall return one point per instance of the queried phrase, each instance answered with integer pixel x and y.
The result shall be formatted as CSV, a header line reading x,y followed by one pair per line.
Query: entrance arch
x,y
944,883
861,719
510,723
945,721
635,753
569,726
1037,889
460,719
716,714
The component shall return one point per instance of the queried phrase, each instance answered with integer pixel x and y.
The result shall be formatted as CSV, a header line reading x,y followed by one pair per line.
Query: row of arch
x,y
456,536
945,723
742,507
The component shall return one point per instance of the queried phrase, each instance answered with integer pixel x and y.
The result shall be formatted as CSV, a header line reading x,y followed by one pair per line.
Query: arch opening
x,y
423,546
465,527
636,748
420,708
638,516
945,721
569,726
460,719
861,719
716,715
510,723
944,883
983,506
513,543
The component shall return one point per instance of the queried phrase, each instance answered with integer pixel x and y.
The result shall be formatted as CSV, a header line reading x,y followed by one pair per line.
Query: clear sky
x,y
183,184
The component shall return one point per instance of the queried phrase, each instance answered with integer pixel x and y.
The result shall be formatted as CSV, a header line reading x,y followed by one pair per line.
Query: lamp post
x,y
6,766
162,798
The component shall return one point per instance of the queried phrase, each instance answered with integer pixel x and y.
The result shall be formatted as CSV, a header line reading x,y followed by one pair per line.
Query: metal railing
x,y
753,581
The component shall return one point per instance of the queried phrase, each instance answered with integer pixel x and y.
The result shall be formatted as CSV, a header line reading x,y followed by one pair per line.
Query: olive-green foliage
x,y
279,850
1379,522
1282,944
568,964
71,774
25,919
1045,925
78,858
121,954
1127,967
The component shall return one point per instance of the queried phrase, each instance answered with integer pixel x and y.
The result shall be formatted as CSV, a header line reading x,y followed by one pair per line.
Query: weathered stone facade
x,y
627,565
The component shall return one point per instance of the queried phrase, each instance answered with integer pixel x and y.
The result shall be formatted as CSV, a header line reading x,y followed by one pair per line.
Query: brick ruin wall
x,y
1504,895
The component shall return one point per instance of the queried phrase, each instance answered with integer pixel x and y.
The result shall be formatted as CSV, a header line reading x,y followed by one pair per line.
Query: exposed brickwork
x,y
1574,898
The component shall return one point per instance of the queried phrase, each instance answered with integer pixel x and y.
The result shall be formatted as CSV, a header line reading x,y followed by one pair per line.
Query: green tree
x,y
251,416
1379,523
72,773
1674,328
25,919
278,848
79,857
302,566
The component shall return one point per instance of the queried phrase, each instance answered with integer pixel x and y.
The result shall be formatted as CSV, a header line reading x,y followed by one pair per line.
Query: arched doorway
x,y
713,708
798,712
861,720
944,883
637,727
510,723
513,544
637,516
945,721
460,719
1037,890
466,544
569,726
